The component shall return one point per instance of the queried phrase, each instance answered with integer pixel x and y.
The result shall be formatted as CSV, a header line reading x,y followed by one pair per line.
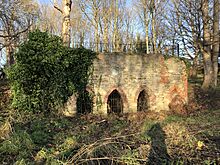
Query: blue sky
x,y
2,59
44,1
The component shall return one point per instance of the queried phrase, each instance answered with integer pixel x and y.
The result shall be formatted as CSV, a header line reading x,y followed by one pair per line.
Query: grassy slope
x,y
138,139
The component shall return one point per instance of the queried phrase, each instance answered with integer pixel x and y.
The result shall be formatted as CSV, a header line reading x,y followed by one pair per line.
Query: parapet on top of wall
x,y
126,83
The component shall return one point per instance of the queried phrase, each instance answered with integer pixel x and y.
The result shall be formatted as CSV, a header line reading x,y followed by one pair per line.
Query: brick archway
x,y
122,94
142,101
115,103
87,99
141,88
148,93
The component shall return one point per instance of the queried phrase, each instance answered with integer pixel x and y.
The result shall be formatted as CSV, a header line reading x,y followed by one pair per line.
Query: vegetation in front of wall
x,y
142,138
96,139
46,73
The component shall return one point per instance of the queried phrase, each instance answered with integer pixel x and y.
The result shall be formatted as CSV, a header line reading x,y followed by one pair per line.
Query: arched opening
x,y
84,103
114,103
142,101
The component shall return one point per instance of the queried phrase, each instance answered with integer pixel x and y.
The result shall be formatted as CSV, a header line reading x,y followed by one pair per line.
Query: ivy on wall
x,y
46,73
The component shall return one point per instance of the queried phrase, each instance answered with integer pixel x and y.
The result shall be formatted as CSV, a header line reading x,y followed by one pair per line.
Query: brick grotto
x,y
127,83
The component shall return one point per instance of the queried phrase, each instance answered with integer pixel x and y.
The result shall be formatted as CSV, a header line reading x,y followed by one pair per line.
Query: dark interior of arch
x,y
115,103
84,103
142,101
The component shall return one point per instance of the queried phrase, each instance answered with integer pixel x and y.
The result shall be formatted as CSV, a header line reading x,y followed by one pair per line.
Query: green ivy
x,y
46,73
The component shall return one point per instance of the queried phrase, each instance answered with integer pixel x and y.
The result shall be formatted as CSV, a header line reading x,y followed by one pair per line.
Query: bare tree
x,y
67,5
187,24
207,58
50,20
91,9
198,32
216,41
81,27
116,32
106,14
143,6
16,19
66,22
151,14
153,24
129,22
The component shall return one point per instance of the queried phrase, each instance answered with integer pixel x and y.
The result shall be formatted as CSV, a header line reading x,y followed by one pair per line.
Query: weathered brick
x,y
129,74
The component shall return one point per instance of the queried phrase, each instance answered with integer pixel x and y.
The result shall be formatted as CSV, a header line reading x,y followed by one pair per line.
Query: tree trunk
x,y
138,43
105,36
115,33
66,22
207,60
194,67
105,39
153,26
154,34
105,21
97,33
9,54
10,40
81,38
173,47
146,19
96,24
215,42
127,38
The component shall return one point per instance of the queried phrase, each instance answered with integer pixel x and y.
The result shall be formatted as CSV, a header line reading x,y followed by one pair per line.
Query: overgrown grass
x,y
60,140
90,139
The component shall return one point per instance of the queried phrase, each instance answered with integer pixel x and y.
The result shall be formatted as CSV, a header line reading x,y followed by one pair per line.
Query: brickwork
x,y
130,74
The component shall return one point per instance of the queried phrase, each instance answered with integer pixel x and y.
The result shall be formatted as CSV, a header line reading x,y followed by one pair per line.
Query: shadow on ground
x,y
158,152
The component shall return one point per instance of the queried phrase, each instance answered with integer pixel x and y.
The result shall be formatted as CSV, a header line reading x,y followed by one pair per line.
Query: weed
x,y
69,143
55,140
131,157
210,162
44,156
20,162
177,162
67,147
172,119
117,125
40,137
19,144
53,161
145,127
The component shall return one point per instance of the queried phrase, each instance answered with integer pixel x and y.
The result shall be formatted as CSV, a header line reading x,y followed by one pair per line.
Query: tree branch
x,y
16,34
56,7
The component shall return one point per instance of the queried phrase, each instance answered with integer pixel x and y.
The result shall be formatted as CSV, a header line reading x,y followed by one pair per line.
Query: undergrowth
x,y
96,139
144,138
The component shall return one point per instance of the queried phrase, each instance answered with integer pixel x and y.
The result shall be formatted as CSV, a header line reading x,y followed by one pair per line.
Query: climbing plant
x,y
46,73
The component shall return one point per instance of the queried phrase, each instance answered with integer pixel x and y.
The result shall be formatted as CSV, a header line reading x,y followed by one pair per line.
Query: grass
x,y
59,140
144,139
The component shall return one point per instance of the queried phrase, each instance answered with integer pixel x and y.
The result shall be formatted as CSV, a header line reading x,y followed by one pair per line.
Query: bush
x,y
46,73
